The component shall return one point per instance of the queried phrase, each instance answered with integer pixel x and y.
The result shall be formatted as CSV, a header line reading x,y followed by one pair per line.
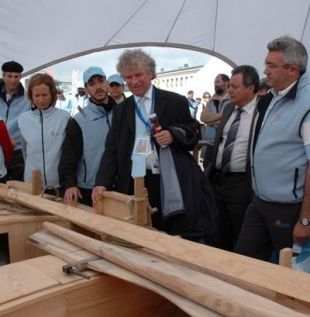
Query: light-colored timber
x,y
72,253
19,226
37,287
132,209
205,290
36,183
234,268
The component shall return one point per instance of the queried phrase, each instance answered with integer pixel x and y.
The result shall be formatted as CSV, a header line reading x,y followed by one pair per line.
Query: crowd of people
x,y
253,196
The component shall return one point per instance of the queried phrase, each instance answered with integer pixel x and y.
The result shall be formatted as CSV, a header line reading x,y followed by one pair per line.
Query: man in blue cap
x,y
13,103
116,88
84,143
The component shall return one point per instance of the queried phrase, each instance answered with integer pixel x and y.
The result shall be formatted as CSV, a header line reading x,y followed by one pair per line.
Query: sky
x,y
166,58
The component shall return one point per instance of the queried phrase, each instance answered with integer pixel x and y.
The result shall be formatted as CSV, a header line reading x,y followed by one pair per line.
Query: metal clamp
x,y
79,266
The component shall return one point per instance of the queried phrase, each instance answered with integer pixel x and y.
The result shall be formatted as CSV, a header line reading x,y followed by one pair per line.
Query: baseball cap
x,y
92,71
116,78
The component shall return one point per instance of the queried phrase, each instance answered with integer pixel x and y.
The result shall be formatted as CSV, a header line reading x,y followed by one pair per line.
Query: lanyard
x,y
145,121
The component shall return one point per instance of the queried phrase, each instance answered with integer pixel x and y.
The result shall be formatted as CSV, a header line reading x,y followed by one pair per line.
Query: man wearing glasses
x,y
280,209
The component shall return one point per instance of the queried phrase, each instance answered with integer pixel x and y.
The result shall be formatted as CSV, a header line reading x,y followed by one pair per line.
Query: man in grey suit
x,y
229,172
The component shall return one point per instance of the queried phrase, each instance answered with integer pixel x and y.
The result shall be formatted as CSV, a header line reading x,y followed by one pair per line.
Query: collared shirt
x,y
239,153
277,95
148,108
147,101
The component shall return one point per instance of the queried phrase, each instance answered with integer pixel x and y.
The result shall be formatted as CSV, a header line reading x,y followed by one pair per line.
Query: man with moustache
x,y
84,143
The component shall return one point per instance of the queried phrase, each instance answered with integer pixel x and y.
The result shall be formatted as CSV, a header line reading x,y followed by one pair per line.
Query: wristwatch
x,y
305,221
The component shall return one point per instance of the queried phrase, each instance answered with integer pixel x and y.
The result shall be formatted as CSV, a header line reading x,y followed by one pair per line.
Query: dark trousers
x,y
152,184
267,226
16,167
3,180
208,156
86,196
233,195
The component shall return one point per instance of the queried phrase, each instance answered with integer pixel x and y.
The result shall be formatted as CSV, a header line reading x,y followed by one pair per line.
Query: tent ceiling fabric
x,y
38,33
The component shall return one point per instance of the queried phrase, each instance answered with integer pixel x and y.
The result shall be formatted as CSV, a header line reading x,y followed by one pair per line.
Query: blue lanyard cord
x,y
145,121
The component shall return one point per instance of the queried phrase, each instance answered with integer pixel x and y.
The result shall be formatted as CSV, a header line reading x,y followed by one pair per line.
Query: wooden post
x,y
140,205
285,258
36,182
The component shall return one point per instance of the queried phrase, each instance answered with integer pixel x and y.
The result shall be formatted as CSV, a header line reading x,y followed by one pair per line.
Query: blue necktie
x,y
230,141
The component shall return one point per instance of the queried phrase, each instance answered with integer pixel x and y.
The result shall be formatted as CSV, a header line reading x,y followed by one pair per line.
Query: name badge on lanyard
x,y
141,146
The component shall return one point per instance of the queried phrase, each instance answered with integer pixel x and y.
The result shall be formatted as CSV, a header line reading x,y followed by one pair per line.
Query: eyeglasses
x,y
272,66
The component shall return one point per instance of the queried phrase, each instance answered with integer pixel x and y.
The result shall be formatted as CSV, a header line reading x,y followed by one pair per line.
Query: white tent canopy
x,y
39,33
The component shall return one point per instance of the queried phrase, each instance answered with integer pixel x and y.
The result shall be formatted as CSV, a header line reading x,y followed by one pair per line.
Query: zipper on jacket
x,y
7,115
108,120
42,143
85,169
295,182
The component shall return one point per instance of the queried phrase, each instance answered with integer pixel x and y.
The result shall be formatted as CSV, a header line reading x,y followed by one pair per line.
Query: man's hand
x,y
301,233
163,138
96,193
72,195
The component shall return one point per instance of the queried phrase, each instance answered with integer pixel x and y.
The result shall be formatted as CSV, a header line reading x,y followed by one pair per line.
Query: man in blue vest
x,y
13,103
280,209
84,143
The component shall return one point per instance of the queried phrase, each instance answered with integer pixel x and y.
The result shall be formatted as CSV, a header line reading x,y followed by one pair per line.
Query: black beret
x,y
12,67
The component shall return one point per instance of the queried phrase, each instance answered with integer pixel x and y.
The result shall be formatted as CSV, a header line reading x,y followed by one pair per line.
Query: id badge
x,y
154,162
141,146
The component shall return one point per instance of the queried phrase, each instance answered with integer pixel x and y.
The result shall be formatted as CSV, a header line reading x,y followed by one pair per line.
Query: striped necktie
x,y
230,141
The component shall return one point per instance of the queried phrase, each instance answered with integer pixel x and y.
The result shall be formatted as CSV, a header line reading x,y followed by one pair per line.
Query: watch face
x,y
305,221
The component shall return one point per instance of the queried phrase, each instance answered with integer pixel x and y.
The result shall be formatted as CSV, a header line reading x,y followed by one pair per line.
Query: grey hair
x,y
294,52
250,75
131,58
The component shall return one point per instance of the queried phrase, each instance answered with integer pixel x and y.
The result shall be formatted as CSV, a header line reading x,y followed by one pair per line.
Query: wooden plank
x,y
36,182
205,290
230,267
103,295
19,227
71,253
23,186
285,258
20,279
52,307
116,209
140,204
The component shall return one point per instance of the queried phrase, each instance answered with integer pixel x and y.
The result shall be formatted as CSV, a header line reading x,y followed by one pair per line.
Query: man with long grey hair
x,y
280,210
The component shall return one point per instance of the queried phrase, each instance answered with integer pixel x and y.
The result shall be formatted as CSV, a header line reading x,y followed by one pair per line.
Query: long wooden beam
x,y
208,291
72,253
230,267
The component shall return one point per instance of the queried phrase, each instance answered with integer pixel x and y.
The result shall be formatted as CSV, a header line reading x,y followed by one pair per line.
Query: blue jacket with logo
x,y
280,158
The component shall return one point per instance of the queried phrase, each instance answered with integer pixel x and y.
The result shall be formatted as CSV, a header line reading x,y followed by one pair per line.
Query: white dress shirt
x,y
239,152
